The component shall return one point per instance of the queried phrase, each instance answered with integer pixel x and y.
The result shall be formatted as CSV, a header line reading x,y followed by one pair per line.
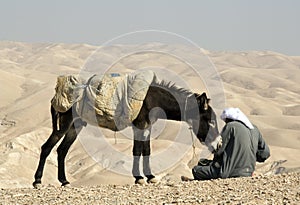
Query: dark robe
x,y
241,148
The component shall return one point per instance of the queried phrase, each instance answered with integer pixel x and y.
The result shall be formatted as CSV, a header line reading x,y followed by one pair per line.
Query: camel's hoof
x,y
37,185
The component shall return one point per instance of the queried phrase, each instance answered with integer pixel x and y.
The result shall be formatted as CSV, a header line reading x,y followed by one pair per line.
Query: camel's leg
x,y
64,147
56,135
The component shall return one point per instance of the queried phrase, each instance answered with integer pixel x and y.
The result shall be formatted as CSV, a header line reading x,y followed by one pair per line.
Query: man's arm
x,y
263,151
226,134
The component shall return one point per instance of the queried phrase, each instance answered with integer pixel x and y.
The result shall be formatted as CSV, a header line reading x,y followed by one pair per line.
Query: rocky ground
x,y
278,189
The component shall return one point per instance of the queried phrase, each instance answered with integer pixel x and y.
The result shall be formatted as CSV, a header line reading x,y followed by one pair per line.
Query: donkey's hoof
x,y
66,184
37,184
140,181
151,179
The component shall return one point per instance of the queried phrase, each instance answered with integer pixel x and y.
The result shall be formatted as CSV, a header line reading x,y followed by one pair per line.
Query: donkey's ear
x,y
196,95
203,100
203,96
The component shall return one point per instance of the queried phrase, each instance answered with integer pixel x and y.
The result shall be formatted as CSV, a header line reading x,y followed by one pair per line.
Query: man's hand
x,y
215,145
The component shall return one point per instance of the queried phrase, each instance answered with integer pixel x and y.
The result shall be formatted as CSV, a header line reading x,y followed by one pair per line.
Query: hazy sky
x,y
214,25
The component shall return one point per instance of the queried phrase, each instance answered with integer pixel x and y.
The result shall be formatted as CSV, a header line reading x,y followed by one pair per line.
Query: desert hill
x,y
263,84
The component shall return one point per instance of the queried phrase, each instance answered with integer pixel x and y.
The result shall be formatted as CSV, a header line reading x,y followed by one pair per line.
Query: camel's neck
x,y
169,102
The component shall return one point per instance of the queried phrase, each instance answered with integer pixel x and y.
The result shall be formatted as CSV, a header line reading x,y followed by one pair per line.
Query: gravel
x,y
278,189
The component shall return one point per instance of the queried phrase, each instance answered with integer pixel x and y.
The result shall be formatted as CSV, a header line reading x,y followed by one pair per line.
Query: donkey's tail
x,y
55,117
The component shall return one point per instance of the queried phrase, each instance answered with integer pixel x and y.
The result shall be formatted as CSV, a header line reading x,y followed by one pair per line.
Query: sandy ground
x,y
264,84
279,189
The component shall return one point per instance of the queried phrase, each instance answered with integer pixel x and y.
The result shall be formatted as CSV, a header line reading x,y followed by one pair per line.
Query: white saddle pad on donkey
x,y
112,101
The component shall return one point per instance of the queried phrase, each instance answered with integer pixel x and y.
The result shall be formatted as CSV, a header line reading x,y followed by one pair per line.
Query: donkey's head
x,y
203,120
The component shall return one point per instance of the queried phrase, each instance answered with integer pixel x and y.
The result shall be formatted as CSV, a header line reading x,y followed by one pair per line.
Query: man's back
x,y
238,150
242,146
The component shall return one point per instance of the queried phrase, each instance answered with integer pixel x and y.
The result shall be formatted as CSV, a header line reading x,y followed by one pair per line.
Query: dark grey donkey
x,y
178,104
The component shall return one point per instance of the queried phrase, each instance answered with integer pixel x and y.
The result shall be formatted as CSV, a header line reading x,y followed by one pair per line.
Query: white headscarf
x,y
236,114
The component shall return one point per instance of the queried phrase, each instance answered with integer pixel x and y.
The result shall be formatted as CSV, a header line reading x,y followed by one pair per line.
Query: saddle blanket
x,y
112,100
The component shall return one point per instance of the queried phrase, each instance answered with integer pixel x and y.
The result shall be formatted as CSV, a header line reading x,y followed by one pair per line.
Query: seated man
x,y
242,146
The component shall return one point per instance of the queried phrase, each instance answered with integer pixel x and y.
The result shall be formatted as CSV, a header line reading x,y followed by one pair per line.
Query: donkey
x,y
177,103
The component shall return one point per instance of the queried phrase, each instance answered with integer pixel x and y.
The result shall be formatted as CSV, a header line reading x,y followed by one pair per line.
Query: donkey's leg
x,y
146,156
141,146
64,147
46,148
138,144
